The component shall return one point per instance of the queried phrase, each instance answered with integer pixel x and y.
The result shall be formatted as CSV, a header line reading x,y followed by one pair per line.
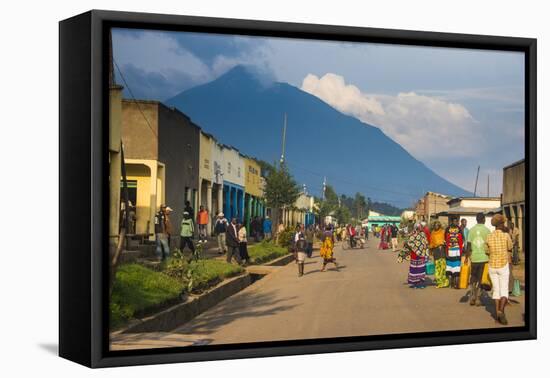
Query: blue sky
x,y
453,109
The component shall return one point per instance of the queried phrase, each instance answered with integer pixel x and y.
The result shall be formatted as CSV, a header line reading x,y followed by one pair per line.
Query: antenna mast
x,y
284,142
477,177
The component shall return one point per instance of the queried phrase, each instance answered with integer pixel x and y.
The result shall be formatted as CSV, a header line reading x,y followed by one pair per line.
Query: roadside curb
x,y
175,316
181,313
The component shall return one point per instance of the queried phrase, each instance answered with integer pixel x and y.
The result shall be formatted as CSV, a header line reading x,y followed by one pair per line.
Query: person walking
x,y
383,243
202,221
394,230
327,248
514,234
464,229
454,245
232,241
310,239
280,230
267,228
299,246
187,232
416,247
243,244
499,245
437,250
426,231
220,227
163,229
475,252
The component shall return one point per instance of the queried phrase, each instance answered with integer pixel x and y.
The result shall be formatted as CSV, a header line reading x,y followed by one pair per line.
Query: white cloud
x,y
159,53
425,126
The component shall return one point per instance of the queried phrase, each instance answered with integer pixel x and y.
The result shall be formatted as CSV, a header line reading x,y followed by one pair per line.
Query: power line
x,y
134,98
355,184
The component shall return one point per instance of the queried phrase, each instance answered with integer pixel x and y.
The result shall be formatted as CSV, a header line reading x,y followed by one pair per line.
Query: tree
x,y
343,214
359,208
280,190
329,204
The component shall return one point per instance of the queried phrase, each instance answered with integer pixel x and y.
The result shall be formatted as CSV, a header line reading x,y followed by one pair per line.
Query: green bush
x,y
284,239
138,290
265,251
203,274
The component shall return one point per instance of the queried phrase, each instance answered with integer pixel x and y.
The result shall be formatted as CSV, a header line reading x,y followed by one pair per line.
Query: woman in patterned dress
x,y
454,243
437,250
416,249
327,248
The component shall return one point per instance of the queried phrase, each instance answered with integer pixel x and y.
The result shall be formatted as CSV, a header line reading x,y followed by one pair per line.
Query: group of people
x,y
388,236
302,246
456,246
353,235
231,236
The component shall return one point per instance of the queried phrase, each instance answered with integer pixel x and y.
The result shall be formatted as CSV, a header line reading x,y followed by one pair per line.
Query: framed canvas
x,y
234,188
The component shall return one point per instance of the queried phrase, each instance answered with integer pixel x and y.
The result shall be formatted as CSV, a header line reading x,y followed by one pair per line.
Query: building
x,y
161,147
233,183
254,191
513,197
301,212
468,207
431,204
115,163
210,191
380,220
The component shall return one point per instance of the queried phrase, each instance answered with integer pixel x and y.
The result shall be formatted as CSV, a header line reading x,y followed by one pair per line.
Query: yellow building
x,y
253,188
115,162
144,172
210,188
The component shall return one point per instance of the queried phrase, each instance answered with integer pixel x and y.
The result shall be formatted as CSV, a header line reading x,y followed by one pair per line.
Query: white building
x,y
468,207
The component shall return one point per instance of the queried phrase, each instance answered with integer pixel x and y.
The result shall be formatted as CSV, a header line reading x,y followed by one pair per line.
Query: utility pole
x,y
324,186
477,177
284,142
488,186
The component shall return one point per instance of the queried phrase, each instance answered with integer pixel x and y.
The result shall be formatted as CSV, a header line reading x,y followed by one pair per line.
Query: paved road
x,y
367,296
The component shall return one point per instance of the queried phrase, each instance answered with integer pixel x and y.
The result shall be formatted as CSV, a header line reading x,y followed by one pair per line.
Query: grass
x,y
207,273
138,289
265,251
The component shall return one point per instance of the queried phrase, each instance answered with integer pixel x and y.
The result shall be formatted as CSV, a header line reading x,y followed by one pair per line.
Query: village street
x,y
367,296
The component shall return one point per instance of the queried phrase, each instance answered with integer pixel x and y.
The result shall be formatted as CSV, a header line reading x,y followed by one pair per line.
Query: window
x,y
206,163
239,172
229,167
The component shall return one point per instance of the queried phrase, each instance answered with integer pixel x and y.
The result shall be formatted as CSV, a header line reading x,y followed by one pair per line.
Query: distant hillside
x,y
385,208
244,111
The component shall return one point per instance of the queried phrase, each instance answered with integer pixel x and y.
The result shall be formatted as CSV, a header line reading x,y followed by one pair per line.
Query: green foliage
x,y
203,274
385,208
280,188
329,204
284,239
137,289
265,251
198,275
343,215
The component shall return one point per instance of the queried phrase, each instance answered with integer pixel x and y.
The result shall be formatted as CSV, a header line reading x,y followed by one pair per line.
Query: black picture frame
x,y
83,196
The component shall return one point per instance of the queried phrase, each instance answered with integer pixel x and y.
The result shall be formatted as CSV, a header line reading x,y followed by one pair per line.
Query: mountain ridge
x,y
321,141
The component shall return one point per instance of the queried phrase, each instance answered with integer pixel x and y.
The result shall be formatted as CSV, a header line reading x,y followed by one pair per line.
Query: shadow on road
x,y
246,305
